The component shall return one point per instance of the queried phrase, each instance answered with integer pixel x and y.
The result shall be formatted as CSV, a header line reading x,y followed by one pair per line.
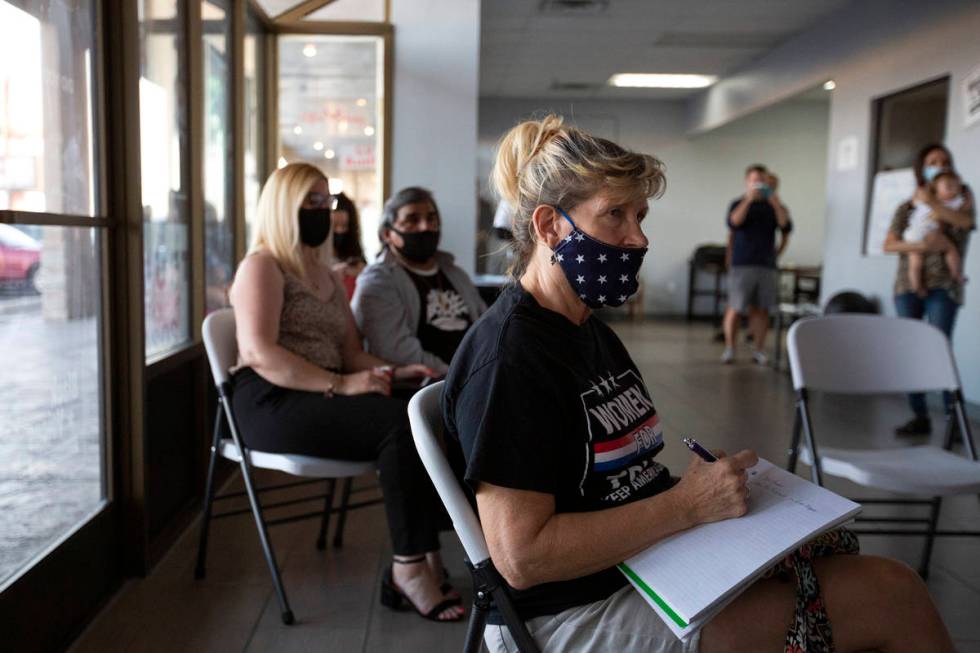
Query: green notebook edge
x,y
623,567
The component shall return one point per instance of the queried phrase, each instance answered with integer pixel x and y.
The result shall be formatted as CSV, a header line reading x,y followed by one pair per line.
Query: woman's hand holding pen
x,y
715,491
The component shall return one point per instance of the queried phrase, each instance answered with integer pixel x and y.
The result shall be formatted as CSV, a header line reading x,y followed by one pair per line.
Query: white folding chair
x,y
870,354
489,588
222,350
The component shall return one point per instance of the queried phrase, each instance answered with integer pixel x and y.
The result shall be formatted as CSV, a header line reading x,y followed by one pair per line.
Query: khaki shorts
x,y
752,285
623,622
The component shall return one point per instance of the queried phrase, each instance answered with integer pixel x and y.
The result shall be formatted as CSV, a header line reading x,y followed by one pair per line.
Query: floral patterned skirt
x,y
810,631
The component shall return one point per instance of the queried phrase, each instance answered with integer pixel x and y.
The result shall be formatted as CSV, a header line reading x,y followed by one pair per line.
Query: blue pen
x,y
706,455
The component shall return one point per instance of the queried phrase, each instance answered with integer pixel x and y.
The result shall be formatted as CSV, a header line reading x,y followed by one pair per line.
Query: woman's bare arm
x,y
530,544
256,296
895,245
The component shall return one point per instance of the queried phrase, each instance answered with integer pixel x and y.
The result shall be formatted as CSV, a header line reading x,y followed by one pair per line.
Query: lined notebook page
x,y
693,570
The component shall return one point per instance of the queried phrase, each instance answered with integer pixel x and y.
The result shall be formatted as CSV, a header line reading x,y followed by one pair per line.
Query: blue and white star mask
x,y
601,274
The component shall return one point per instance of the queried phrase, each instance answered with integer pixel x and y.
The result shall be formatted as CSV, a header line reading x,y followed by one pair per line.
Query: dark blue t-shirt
x,y
755,239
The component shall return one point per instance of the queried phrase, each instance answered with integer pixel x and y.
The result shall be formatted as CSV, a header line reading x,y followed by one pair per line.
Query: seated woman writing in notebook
x,y
560,437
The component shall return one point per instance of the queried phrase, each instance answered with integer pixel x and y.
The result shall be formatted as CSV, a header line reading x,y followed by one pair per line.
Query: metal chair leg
x,y
930,537
202,546
794,448
475,628
285,613
321,539
816,473
338,535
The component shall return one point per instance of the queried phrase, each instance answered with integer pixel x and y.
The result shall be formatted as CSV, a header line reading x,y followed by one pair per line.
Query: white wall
x,y
902,62
876,51
703,174
436,82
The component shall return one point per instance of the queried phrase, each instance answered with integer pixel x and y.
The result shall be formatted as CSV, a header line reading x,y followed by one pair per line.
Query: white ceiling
x,y
524,52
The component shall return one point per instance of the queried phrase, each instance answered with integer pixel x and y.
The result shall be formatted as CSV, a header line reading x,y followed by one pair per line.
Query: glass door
x,y
52,428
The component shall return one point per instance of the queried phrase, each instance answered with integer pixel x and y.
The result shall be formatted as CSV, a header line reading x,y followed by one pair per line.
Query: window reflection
x,y
163,155
254,55
51,460
331,104
46,89
219,251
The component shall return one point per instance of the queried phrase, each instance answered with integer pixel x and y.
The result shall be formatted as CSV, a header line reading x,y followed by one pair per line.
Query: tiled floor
x,y
334,593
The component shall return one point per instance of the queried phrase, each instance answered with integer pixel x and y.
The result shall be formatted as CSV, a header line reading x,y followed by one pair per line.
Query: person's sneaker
x,y
760,358
728,356
915,426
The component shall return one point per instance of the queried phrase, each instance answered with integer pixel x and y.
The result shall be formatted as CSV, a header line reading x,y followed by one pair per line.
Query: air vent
x,y
573,8
576,87
739,40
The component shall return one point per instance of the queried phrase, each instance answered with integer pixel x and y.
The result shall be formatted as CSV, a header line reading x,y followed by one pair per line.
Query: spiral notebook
x,y
689,577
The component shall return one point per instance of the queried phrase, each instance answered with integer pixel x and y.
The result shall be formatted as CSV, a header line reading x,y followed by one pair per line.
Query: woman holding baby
x,y
929,233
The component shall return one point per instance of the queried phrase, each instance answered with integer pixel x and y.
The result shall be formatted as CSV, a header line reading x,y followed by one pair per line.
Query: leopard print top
x,y
312,328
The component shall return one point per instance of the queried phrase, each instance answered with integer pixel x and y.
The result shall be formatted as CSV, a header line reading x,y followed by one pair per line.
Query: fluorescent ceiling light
x,y
661,80
829,85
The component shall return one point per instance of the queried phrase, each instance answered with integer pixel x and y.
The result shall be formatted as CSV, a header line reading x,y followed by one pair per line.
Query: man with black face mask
x,y
414,305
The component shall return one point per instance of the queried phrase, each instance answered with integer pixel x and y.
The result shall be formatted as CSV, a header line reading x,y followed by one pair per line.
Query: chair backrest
x,y
218,332
426,419
870,354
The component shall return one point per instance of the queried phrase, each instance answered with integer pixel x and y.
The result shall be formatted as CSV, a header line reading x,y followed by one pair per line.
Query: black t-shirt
x,y
755,239
443,318
539,403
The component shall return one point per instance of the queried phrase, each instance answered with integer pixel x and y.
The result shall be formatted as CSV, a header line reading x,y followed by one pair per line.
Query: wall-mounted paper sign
x,y
847,153
891,188
971,98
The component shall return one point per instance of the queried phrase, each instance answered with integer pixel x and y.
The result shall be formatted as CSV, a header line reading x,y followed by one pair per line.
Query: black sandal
x,y
394,598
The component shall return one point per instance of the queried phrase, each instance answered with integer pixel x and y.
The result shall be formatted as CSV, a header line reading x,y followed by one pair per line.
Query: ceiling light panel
x,y
661,80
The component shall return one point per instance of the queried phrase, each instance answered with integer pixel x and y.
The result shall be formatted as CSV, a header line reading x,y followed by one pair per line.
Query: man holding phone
x,y
753,284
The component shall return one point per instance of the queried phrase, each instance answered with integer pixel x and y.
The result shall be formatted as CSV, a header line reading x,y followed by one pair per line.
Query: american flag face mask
x,y
601,274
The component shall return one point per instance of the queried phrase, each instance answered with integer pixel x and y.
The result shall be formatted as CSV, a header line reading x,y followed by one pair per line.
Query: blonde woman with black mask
x,y
565,494
304,385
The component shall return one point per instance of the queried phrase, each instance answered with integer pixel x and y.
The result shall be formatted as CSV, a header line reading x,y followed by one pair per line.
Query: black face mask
x,y
314,226
419,245
341,240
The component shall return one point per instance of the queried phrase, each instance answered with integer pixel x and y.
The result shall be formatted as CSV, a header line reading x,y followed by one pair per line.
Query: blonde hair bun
x,y
546,162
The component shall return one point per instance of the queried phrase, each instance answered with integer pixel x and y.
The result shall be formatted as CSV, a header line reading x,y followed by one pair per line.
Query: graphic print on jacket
x,y
625,436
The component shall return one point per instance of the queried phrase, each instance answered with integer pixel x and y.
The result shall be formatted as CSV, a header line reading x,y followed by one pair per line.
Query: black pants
x,y
361,427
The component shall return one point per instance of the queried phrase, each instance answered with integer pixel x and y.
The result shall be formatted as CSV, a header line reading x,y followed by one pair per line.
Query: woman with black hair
x,y
414,304
347,251
942,292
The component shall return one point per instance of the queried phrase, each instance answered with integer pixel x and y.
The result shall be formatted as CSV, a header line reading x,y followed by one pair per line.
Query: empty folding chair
x,y
426,420
869,354
222,350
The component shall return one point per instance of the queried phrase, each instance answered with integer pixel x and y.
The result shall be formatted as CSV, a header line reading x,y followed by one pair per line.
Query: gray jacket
x,y
386,307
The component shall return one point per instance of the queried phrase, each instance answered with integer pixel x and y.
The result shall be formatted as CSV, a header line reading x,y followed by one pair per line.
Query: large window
x,y
331,104
164,155
52,452
47,154
219,235
254,146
